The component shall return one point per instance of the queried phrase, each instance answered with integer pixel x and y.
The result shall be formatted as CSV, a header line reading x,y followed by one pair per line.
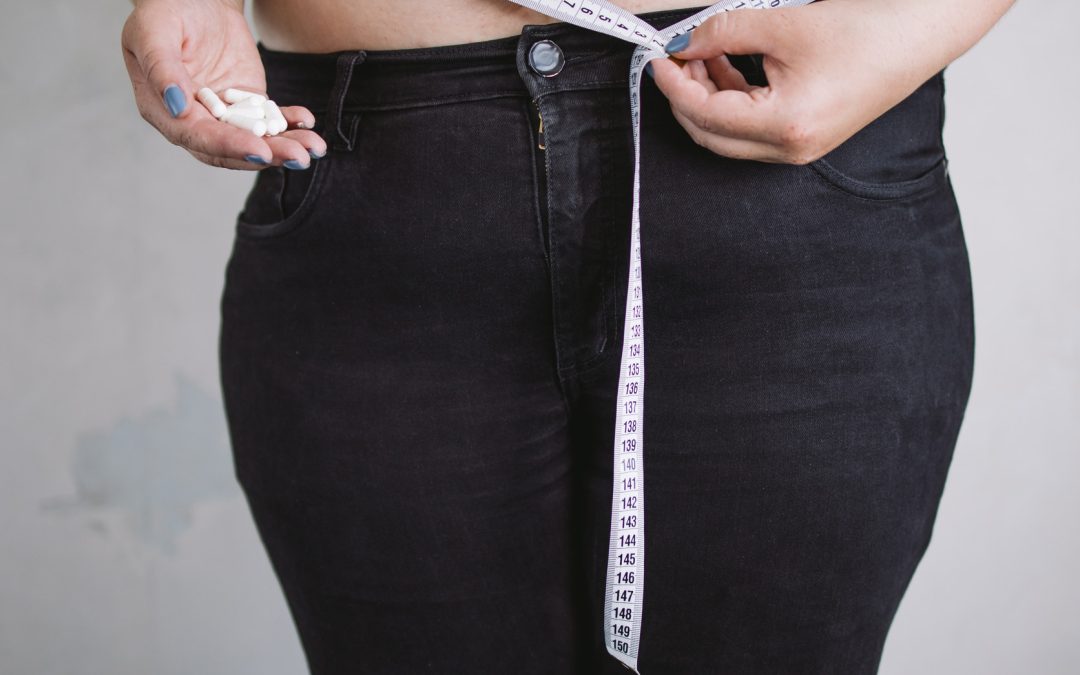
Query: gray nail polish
x,y
255,159
295,165
316,155
175,100
648,69
678,43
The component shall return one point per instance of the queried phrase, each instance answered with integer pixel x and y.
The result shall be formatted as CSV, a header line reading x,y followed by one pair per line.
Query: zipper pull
x,y
540,129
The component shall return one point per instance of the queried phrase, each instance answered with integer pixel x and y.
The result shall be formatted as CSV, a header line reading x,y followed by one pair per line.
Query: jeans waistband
x,y
367,80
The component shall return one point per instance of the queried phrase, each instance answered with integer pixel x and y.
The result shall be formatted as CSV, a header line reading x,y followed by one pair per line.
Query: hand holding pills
x,y
176,51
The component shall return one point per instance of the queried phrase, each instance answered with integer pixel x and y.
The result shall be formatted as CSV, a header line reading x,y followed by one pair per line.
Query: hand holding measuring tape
x,y
833,67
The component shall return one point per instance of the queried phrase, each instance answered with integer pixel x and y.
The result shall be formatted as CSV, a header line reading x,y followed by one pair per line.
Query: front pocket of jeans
x,y
898,155
282,200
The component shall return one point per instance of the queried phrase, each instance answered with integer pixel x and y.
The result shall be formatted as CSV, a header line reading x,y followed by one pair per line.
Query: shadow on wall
x,y
152,470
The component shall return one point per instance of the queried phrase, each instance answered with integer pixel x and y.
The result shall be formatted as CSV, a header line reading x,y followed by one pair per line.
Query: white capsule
x,y
237,95
255,112
257,127
275,121
209,99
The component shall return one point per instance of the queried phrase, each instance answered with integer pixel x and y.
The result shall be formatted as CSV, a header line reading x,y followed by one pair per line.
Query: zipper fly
x,y
540,128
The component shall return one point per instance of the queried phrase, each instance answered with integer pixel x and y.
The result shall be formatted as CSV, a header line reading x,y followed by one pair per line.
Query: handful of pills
x,y
247,110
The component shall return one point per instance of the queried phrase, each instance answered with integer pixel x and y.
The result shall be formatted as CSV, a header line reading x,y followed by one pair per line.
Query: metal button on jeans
x,y
546,58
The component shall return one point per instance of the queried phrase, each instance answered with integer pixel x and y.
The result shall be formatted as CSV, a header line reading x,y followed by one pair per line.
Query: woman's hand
x,y
833,67
172,48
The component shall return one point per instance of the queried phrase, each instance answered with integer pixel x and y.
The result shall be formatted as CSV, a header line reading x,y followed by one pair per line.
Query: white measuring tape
x,y
626,541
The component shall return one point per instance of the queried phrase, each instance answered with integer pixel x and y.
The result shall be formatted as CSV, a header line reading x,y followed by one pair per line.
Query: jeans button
x,y
546,58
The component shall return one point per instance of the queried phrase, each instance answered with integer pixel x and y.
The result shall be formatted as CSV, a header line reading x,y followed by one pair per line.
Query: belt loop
x,y
337,137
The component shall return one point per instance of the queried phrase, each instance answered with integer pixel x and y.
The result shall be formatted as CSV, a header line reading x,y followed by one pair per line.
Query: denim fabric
x,y
420,347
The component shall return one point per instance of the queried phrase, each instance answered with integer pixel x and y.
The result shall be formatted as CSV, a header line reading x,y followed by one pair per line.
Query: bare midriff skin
x,y
337,25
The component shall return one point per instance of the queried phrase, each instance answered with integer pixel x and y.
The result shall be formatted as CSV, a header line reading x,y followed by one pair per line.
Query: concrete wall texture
x,y
127,546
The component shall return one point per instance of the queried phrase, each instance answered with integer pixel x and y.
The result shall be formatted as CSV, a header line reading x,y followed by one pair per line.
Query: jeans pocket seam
x,y
295,220
930,180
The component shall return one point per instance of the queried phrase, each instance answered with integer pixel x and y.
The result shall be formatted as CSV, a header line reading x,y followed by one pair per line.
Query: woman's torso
x,y
337,25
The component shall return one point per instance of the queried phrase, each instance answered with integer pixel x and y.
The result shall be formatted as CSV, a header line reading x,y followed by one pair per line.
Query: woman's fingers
x,y
313,143
732,113
736,148
289,153
699,73
740,31
227,163
713,101
725,75
298,117
201,132
832,68
300,122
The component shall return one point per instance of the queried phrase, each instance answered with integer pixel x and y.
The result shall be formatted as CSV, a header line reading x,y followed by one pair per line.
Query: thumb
x,y
740,31
155,41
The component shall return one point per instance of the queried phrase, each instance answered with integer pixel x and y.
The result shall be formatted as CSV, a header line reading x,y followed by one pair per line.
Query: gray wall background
x,y
127,547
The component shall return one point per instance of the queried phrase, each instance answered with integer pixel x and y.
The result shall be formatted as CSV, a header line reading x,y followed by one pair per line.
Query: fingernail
x,y
678,43
255,159
316,155
648,69
295,165
174,99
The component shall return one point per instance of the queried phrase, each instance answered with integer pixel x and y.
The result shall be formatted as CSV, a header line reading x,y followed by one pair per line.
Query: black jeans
x,y
420,348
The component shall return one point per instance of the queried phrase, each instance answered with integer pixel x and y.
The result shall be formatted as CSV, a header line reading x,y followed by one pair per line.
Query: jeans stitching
x,y
871,192
441,100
